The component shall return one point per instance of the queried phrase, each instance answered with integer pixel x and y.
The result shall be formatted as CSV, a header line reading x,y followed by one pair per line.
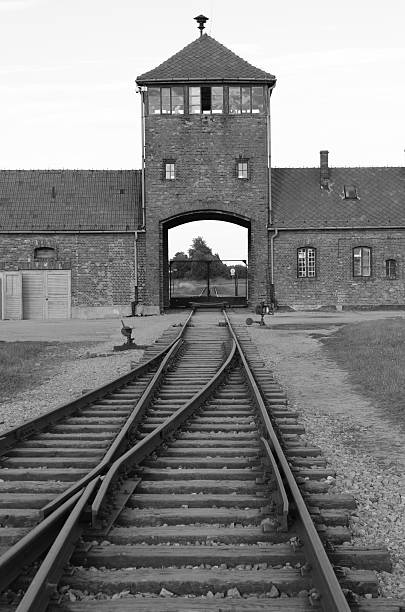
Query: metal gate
x,y
208,280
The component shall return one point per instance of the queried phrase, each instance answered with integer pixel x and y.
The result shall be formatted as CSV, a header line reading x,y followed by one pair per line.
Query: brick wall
x,y
205,149
102,265
334,285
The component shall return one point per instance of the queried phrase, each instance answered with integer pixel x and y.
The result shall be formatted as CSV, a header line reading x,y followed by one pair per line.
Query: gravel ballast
x,y
366,451
332,412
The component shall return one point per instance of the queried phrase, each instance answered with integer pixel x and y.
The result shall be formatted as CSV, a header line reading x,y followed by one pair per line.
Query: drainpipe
x,y
269,198
272,238
142,90
270,289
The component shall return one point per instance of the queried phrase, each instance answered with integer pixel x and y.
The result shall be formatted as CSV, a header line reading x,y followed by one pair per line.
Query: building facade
x,y
77,243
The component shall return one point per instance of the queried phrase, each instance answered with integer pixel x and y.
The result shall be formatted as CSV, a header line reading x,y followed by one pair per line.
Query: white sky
x,y
67,72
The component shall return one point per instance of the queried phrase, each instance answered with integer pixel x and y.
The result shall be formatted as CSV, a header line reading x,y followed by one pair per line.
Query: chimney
x,y
324,170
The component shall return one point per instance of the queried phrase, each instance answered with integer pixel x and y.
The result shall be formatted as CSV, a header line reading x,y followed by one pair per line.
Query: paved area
x,y
84,330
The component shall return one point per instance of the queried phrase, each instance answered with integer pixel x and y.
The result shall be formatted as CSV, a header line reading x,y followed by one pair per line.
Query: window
x,y
306,262
391,268
44,253
362,262
165,101
206,100
169,171
242,169
350,192
246,100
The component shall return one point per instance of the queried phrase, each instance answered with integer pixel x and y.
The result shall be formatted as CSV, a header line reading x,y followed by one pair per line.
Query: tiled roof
x,y
205,59
83,200
299,202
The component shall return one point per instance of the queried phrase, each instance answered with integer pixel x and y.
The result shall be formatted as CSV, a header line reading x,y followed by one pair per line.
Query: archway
x,y
219,279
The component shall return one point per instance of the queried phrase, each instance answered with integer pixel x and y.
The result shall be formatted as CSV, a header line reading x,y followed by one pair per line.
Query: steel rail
x,y
45,581
157,436
21,432
43,585
332,596
121,441
34,543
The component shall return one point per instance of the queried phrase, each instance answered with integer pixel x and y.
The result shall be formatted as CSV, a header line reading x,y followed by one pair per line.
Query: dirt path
x,y
319,387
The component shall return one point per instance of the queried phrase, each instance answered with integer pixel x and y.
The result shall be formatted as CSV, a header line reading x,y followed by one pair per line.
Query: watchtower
x,y
206,135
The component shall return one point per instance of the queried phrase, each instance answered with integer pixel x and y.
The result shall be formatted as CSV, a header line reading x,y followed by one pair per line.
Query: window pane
x,y
245,99
242,170
206,99
217,99
357,262
311,262
165,100
194,100
177,100
366,263
154,100
234,100
169,174
302,270
257,100
391,268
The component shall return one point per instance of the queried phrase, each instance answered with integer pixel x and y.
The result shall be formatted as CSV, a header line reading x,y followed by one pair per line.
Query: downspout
x,y
142,90
270,288
136,298
269,194
272,238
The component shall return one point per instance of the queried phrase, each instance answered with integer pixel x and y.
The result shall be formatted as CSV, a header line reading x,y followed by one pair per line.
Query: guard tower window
x,y
169,171
165,101
246,100
44,253
242,169
391,269
362,262
306,262
206,100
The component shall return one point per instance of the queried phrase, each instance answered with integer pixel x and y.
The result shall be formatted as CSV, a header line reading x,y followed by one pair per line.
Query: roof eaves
x,y
207,80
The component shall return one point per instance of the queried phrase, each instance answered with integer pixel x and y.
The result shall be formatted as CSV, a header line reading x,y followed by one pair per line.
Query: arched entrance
x,y
202,280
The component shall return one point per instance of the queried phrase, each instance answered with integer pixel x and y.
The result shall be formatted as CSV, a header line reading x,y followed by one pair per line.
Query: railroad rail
x,y
210,500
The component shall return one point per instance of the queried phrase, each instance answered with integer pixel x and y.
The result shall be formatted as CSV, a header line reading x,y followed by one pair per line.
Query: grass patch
x,y
373,354
24,365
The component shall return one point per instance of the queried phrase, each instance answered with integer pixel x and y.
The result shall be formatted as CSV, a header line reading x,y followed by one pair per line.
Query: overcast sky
x,y
67,72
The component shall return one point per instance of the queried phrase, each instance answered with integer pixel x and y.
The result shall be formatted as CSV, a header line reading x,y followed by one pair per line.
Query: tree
x,y
199,252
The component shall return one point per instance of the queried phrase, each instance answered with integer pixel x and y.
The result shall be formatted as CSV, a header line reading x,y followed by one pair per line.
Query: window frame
x,y
350,192
170,110
238,171
362,250
241,111
169,170
50,250
311,268
203,97
388,274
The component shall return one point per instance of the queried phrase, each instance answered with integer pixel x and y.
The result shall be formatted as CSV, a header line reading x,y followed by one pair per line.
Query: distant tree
x,y
199,252
180,265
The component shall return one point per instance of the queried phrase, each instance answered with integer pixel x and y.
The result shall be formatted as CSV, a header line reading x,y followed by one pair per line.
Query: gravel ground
x,y
331,410
85,371
343,424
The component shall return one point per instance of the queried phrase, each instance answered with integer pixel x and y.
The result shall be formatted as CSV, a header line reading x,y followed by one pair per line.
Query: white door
x,y
12,301
46,294
58,294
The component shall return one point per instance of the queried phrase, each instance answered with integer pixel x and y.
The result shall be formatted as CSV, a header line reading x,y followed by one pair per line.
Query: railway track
x,y
201,509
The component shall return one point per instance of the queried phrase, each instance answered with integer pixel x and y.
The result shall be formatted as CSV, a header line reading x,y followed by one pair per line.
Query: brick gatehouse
x,y
81,243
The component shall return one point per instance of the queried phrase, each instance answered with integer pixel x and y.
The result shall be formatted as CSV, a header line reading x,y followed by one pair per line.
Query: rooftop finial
x,y
201,22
